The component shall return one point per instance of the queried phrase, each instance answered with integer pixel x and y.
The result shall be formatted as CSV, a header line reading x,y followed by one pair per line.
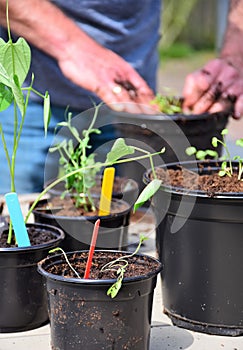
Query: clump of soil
x,y
209,182
66,207
137,265
37,236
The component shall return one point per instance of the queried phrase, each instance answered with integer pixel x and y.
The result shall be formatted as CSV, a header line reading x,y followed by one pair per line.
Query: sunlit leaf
x,y
15,58
119,150
147,193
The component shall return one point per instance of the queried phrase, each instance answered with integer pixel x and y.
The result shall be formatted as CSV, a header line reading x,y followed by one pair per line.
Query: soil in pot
x,y
78,224
23,299
207,180
200,244
37,236
83,316
174,132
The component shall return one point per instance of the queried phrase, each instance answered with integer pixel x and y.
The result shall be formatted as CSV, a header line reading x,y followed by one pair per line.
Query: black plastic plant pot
x,y
200,244
23,300
113,230
174,132
83,316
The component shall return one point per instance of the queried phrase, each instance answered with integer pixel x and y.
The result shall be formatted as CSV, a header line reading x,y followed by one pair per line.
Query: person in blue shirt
x,y
83,52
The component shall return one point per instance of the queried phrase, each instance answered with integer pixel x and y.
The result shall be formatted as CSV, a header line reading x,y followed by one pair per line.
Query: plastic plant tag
x,y
17,220
106,191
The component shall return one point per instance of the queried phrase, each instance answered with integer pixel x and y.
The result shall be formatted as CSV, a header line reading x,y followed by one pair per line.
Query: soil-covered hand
x,y
214,88
109,76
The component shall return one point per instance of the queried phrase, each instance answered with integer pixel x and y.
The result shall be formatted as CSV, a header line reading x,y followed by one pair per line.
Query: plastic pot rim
x,y
83,281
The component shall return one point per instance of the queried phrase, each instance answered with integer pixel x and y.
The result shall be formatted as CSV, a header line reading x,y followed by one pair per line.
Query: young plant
x,y
225,168
73,158
168,104
119,265
80,169
226,165
201,154
15,59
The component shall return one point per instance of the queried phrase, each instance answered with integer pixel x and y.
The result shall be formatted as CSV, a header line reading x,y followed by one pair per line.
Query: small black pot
x,y
113,231
23,300
82,316
200,244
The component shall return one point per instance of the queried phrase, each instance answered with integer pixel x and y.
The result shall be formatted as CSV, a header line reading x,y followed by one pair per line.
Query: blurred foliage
x,y
174,18
176,50
188,26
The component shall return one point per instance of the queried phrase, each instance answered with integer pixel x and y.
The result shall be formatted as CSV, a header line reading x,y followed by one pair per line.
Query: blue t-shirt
x,y
128,27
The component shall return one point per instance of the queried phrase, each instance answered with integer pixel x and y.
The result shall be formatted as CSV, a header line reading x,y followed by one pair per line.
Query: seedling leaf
x,y
119,150
147,193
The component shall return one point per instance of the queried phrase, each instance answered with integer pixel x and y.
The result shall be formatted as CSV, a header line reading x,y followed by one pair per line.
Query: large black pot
x,y
200,244
23,300
175,133
82,316
113,231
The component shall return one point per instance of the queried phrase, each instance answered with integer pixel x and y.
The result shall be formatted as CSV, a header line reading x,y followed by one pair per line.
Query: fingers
x,y
238,110
125,97
198,82
217,87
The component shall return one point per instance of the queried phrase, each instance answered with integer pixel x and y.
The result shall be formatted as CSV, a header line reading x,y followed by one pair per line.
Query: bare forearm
x,y
44,25
232,49
80,58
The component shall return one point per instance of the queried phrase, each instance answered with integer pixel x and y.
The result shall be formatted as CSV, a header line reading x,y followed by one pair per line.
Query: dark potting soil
x,y
137,266
66,207
210,183
37,236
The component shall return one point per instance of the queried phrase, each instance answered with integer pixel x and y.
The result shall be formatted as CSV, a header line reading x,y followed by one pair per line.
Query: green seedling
x,y
167,104
72,158
118,265
15,59
201,154
80,169
226,165
66,259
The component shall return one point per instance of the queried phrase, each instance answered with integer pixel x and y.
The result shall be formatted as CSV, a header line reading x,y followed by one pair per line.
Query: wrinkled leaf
x,y
147,193
119,150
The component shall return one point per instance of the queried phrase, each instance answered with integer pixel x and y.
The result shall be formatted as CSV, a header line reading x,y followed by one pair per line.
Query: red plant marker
x,y
92,248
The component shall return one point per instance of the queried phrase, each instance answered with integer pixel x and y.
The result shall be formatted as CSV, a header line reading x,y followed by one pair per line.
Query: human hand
x,y
215,87
110,77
